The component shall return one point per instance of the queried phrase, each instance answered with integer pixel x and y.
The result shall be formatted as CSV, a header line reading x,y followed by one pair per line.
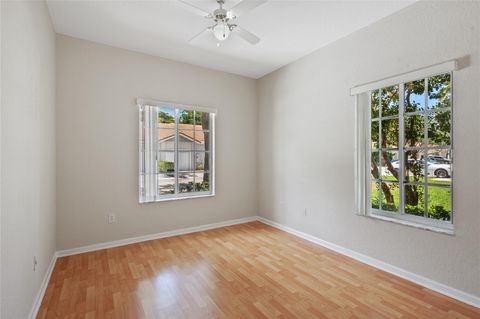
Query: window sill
x,y
167,199
448,230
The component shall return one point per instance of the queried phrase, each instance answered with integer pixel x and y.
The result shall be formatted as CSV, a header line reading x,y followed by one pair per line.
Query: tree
x,y
438,126
186,117
164,117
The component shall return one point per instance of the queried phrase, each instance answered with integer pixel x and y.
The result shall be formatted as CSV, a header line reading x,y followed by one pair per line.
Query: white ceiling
x,y
288,29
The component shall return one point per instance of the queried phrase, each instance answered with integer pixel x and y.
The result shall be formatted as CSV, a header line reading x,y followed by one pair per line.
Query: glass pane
x,y
166,117
202,120
141,131
415,96
439,167
186,117
439,91
390,133
375,195
375,104
166,162
414,130
439,203
141,116
185,182
141,162
414,200
414,166
166,184
185,161
374,136
390,165
375,164
166,140
185,140
390,197
141,182
202,161
389,101
439,128
202,141
202,181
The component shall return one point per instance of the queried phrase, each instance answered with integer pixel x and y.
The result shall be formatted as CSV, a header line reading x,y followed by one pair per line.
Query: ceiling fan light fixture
x,y
221,31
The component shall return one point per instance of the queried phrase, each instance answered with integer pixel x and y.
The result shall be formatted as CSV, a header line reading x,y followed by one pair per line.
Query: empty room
x,y
239,159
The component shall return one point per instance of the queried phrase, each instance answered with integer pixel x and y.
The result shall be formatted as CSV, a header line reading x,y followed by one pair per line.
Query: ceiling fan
x,y
223,20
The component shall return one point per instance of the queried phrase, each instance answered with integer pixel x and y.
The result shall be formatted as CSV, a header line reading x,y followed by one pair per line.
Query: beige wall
x,y
97,142
28,153
306,140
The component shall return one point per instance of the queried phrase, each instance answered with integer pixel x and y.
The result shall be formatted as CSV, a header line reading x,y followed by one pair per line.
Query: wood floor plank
x,y
244,271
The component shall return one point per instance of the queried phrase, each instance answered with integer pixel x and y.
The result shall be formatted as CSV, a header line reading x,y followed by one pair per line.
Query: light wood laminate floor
x,y
244,271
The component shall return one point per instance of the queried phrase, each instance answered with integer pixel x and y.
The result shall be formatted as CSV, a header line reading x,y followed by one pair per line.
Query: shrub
x,y
164,166
438,212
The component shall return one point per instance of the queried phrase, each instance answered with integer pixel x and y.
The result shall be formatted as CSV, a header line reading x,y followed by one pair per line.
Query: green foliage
x,y
414,96
164,117
438,212
385,102
414,166
439,201
164,166
189,187
439,88
439,128
186,117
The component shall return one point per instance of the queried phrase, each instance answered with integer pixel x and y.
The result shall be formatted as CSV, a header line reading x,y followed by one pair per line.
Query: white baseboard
x,y
133,240
43,288
425,282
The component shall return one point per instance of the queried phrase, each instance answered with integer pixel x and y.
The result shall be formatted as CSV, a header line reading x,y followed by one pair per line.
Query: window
x,y
404,170
176,151
410,151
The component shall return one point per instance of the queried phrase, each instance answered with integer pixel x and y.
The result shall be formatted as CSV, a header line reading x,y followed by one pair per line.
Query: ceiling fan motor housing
x,y
222,15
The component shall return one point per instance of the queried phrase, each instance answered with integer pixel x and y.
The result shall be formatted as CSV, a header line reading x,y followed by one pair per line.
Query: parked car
x,y
440,168
439,159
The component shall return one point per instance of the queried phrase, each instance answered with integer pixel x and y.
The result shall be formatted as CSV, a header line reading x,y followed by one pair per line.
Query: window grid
x,y
150,155
402,148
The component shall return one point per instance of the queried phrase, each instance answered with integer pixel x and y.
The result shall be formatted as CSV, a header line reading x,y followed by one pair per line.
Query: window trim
x,y
362,94
176,106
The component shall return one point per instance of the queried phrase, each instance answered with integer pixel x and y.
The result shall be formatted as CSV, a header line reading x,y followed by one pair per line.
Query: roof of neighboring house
x,y
167,131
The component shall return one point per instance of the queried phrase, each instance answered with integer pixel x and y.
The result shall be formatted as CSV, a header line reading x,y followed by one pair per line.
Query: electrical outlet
x,y
111,218
34,263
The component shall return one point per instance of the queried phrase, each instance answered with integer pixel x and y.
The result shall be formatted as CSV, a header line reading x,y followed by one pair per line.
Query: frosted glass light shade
x,y
221,31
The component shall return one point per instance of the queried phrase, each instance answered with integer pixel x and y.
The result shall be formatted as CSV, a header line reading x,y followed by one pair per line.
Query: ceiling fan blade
x,y
245,6
198,34
193,8
246,35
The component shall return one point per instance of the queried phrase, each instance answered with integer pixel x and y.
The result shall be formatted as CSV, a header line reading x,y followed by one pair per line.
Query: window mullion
x,y
451,146
380,150
401,149
425,150
368,155
175,155
194,147
154,141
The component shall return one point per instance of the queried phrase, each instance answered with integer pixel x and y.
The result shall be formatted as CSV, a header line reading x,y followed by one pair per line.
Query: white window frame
x,y
363,149
154,196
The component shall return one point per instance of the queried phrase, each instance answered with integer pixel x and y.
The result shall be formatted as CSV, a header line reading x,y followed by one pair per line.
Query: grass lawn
x,y
439,198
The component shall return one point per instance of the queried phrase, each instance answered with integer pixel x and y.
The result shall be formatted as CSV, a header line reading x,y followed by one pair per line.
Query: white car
x,y
440,170
434,168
